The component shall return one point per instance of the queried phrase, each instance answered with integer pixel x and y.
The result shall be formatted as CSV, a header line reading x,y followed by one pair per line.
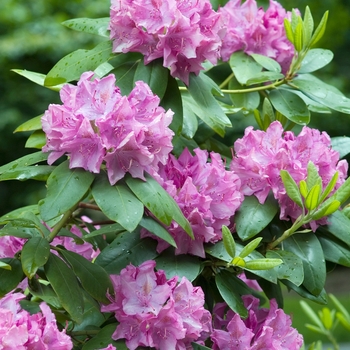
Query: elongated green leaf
x,y
250,247
125,249
264,77
65,284
311,314
39,172
30,125
183,265
312,199
218,251
320,30
5,266
229,242
330,186
104,338
36,140
106,229
303,188
9,278
227,285
35,254
153,74
244,67
71,67
267,62
25,161
292,267
12,215
117,202
37,78
93,277
65,188
205,106
39,289
263,264
313,178
338,225
158,201
291,188
158,230
308,27
315,59
289,30
298,36
309,250
125,77
252,216
290,105
341,144
12,229
98,26
336,252
302,291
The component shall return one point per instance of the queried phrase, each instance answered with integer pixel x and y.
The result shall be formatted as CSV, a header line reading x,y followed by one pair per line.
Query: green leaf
x,y
158,230
106,229
36,140
93,277
290,105
97,26
244,67
238,261
309,250
302,291
308,27
183,265
5,266
218,251
117,202
37,78
292,267
250,247
298,36
252,217
127,248
153,74
229,242
264,77
320,30
71,67
205,106
38,172
315,59
125,77
25,161
313,178
335,251
18,213
312,199
303,188
9,278
30,125
196,346
289,30
104,338
158,201
338,225
65,188
330,186
65,284
227,283
39,289
267,62
291,188
311,314
249,101
190,119
35,254
341,144
263,264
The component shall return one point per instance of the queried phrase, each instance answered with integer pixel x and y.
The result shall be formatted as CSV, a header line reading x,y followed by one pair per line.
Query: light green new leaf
x,y
312,199
263,264
37,78
30,125
288,30
5,266
290,105
36,140
65,188
250,247
229,242
117,202
320,30
66,286
71,67
291,188
158,201
35,254
330,186
298,36
308,27
97,26
303,188
313,178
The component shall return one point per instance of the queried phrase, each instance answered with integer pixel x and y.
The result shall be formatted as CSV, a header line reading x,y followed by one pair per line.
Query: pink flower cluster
x,y
253,30
20,330
157,312
261,155
97,124
10,245
263,329
184,33
207,194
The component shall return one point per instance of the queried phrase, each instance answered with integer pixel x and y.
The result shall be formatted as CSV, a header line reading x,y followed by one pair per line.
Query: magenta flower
x,y
253,30
156,312
183,33
207,194
261,155
10,245
97,125
21,330
263,329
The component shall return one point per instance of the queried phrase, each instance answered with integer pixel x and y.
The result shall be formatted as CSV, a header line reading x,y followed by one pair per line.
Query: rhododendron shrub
x,y
193,216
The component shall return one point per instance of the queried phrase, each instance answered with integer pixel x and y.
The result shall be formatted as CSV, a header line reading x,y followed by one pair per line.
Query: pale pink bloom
x,y
253,30
261,155
153,311
207,194
183,33
263,329
97,125
10,245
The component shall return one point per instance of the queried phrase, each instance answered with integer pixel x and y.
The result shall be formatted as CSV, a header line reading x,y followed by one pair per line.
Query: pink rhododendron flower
x,y
263,329
183,33
253,30
10,245
207,194
97,125
20,330
261,155
156,312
